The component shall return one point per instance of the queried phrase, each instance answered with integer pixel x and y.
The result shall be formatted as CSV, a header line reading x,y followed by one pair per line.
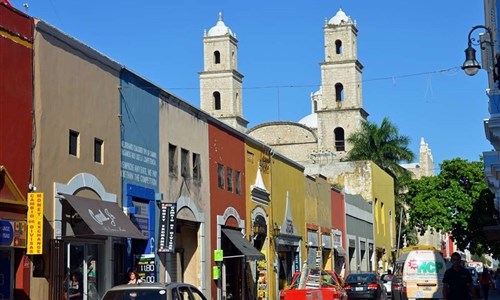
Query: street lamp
x,y
471,65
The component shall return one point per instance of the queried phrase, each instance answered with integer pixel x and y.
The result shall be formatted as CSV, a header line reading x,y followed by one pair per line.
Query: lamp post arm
x,y
490,42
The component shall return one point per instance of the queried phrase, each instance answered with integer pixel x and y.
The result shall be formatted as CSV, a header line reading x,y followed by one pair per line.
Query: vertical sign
x,y
167,228
35,223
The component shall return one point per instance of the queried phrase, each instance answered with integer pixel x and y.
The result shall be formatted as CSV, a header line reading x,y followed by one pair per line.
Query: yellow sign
x,y
35,223
218,255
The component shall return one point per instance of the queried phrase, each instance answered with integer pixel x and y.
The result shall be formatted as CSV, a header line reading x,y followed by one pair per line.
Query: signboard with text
x,y
13,233
35,223
146,267
166,238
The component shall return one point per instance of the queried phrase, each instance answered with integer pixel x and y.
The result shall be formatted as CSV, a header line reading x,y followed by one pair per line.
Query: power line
x,y
392,78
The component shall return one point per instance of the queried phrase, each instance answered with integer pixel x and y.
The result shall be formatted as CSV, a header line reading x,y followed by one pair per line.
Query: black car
x,y
154,291
364,286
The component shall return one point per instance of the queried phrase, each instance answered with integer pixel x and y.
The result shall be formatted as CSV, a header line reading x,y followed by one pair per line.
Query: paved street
x,y
494,295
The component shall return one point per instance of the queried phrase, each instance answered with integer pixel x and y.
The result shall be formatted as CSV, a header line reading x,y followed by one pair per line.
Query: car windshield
x,y
137,294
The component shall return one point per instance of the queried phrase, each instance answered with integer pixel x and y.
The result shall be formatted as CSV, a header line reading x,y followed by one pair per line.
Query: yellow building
x,y
384,209
288,217
258,206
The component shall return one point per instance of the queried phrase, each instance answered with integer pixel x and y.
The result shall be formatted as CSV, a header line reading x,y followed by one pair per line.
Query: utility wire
x,y
391,78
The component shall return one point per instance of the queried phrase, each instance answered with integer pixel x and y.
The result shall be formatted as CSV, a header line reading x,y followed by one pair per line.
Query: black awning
x,y
103,218
244,246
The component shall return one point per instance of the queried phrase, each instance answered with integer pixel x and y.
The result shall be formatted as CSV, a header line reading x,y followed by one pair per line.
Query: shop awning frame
x,y
104,219
244,246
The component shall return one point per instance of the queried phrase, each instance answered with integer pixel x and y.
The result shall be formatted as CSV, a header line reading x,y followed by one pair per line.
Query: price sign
x,y
146,267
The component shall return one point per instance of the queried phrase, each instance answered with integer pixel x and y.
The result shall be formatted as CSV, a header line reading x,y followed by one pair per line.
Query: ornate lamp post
x,y
471,66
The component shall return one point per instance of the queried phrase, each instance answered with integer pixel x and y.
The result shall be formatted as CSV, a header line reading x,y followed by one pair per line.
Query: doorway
x,y
82,266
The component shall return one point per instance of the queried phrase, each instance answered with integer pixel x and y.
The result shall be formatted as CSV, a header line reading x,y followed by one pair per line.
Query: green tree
x,y
456,201
387,148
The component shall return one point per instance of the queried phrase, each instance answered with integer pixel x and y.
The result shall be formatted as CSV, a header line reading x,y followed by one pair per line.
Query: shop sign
x,y
35,223
13,234
167,228
146,268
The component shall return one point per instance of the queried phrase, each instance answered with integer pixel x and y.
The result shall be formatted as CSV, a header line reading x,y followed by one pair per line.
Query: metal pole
x,y
399,234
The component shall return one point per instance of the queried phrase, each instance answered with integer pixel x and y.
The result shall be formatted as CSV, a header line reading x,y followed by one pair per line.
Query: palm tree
x,y
382,145
385,147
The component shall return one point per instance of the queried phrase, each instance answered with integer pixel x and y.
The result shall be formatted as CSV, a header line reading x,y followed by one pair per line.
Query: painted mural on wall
x,y
140,132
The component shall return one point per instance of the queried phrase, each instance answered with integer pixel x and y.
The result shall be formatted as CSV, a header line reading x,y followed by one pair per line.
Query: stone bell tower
x,y
339,104
220,82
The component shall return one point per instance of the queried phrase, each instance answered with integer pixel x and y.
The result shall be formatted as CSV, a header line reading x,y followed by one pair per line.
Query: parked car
x,y
387,281
154,291
365,286
475,280
314,284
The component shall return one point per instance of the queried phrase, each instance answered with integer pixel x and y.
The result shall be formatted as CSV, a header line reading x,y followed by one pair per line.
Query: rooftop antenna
x,y
26,7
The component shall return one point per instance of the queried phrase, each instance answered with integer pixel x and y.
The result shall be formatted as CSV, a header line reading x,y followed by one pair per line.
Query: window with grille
x,y
238,182
229,180
172,159
185,169
339,139
196,167
74,143
98,150
220,175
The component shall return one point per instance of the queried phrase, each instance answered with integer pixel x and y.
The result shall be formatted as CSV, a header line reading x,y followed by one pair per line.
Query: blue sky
x,y
403,46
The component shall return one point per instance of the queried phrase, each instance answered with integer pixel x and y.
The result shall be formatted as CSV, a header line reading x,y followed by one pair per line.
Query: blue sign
x,y
6,233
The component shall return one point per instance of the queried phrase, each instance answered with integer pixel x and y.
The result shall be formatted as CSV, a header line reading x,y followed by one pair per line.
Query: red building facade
x,y
339,232
16,96
227,208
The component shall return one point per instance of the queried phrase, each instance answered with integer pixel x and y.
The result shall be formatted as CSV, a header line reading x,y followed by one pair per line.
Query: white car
x,y
154,291
387,280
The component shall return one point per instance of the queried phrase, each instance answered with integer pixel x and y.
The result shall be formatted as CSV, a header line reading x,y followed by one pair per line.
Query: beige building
x,y
76,157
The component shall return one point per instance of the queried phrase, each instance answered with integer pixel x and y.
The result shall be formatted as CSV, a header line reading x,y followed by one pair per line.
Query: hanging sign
x,y
35,223
166,238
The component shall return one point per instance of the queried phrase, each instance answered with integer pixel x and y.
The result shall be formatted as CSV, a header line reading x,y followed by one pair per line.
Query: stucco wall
x,y
76,88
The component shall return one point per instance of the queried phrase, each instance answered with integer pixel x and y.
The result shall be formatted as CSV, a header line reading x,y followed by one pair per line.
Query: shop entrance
x,y
82,272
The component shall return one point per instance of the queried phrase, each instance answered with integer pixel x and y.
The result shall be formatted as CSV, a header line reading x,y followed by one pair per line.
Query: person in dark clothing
x,y
485,281
457,281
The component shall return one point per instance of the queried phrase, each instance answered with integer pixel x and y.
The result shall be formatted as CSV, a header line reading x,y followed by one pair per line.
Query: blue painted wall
x,y
139,156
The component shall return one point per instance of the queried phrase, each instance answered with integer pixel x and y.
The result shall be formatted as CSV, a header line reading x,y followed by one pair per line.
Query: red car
x,y
315,284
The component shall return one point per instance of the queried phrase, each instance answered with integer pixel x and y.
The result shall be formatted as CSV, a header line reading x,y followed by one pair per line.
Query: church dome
x,y
340,18
310,121
220,29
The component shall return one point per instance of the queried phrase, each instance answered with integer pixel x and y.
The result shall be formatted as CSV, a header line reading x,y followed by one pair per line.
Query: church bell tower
x,y
220,82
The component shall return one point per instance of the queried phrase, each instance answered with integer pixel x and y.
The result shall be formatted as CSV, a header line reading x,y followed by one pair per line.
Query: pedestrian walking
x,y
457,281
497,279
485,281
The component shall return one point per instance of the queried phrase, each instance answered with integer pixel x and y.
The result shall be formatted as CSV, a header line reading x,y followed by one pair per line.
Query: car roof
x,y
148,286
